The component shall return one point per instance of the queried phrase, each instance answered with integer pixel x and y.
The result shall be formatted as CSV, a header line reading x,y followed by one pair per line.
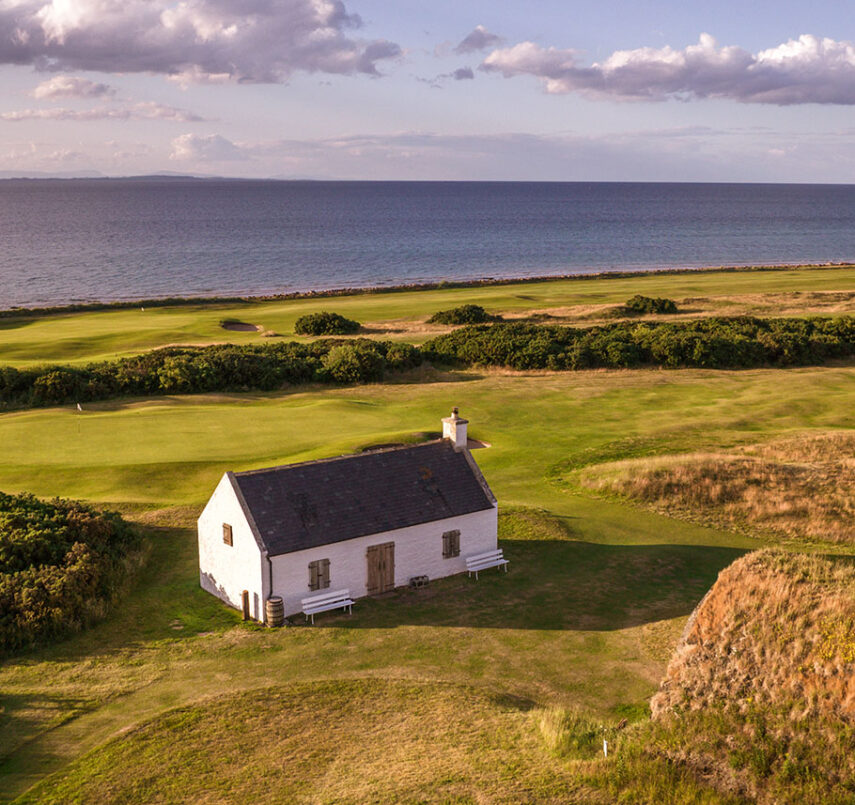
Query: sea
x,y
83,240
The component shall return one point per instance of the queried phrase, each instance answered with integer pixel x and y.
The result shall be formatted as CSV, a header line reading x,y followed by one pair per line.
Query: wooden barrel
x,y
275,610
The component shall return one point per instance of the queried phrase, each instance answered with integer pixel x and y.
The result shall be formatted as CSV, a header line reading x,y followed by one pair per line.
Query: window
x,y
227,534
319,574
450,544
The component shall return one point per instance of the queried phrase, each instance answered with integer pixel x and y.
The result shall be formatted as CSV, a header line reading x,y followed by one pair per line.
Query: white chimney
x,y
454,428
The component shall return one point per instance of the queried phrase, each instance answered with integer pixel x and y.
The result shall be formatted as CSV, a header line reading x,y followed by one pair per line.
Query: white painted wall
x,y
227,570
418,551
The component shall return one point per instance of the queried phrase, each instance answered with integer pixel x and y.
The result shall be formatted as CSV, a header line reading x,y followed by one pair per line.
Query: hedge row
x,y
718,343
228,367
60,563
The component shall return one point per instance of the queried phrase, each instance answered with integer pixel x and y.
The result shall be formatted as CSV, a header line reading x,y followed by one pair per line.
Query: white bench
x,y
481,561
339,599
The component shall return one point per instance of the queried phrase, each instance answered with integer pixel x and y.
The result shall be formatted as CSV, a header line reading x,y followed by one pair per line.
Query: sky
x,y
320,89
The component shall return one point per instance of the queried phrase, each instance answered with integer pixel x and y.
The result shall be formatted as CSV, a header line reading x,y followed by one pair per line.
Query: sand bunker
x,y
240,326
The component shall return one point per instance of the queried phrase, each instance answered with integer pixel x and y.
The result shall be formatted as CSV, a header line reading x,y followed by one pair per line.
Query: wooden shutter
x,y
451,544
227,534
319,574
373,584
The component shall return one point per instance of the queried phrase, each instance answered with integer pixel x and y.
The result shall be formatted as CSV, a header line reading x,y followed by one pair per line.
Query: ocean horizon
x,y
72,241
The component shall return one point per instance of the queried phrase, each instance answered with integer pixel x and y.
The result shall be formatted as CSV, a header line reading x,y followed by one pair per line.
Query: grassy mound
x,y
798,487
758,702
60,564
351,741
325,323
775,628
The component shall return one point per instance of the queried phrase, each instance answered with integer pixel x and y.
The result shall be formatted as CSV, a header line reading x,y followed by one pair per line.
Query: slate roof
x,y
299,506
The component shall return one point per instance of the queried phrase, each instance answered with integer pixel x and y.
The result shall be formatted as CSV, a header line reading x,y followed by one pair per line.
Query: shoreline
x,y
186,301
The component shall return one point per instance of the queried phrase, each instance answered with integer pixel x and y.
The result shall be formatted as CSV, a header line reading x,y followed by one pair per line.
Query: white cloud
x,y
144,110
478,39
804,70
69,86
247,40
206,148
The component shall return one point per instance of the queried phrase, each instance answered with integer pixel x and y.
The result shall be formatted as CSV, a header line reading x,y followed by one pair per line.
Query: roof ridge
x,y
329,460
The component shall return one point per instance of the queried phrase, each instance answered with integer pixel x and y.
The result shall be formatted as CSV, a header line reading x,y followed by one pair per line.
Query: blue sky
x,y
447,90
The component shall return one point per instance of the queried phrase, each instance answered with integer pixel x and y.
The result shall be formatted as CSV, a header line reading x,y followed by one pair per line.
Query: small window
x,y
319,574
450,544
227,534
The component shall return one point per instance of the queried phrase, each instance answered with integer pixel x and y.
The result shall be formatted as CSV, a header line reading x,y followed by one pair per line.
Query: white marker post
x,y
605,748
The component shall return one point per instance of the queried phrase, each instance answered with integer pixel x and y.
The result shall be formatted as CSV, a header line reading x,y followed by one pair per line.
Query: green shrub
x,y
715,343
639,305
354,362
60,564
325,323
465,314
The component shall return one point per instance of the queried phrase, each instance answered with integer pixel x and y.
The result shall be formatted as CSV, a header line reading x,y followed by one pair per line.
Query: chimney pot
x,y
454,428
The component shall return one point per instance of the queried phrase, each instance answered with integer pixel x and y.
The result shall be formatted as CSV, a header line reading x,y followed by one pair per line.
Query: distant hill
x,y
93,174
48,175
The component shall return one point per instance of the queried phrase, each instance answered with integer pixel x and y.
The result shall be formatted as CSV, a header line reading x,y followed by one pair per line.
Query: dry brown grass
x,y
776,627
798,487
758,701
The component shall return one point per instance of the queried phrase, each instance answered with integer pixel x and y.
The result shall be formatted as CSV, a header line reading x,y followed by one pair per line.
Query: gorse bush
x,y
716,343
639,305
325,323
465,314
60,564
225,367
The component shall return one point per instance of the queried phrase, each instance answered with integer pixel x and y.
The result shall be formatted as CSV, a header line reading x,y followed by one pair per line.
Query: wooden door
x,y
381,568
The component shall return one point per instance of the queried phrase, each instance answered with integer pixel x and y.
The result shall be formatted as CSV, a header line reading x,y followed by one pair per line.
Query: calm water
x,y
81,240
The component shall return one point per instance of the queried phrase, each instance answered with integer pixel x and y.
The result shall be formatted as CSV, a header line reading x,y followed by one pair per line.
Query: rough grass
x,y
345,742
797,487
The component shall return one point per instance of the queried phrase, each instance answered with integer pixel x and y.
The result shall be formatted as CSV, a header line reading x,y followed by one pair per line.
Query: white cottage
x,y
367,522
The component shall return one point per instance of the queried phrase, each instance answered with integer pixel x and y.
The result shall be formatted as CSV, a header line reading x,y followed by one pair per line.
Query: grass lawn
x,y
385,741
594,602
82,337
